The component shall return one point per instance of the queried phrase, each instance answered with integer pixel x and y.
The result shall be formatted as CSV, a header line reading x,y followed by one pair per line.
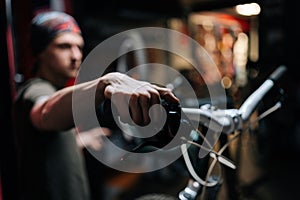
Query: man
x,y
51,165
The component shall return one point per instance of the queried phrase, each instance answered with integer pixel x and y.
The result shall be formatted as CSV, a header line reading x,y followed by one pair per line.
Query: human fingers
x,y
147,99
135,109
157,110
121,107
167,94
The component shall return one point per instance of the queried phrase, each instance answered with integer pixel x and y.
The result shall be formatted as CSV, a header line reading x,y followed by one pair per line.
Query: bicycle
x,y
203,184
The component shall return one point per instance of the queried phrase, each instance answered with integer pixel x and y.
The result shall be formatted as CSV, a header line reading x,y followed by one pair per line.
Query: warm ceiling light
x,y
248,9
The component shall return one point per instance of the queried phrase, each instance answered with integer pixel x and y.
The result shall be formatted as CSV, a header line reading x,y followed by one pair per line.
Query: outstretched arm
x,y
127,94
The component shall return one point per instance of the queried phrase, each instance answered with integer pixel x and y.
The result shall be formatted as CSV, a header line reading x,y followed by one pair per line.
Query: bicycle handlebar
x,y
248,107
229,120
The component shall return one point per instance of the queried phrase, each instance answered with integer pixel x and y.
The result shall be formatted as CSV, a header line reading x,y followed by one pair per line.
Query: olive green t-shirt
x,y
51,163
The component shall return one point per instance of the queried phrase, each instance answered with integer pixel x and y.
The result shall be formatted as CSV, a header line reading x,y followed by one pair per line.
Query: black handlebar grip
x,y
276,75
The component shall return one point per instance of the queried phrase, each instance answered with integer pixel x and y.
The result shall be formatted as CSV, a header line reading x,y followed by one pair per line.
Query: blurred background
x,y
246,39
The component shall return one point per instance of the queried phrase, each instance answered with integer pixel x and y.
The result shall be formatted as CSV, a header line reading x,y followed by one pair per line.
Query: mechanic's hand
x,y
133,98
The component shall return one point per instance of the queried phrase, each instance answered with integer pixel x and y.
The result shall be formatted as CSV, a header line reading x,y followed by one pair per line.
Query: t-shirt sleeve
x,y
39,91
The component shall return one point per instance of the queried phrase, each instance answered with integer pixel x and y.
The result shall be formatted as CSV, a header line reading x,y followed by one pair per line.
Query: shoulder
x,y
35,88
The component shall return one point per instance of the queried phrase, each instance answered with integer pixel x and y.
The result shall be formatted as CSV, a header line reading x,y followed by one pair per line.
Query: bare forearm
x,y
56,112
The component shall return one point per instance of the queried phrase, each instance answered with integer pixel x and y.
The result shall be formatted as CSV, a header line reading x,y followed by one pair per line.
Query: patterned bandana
x,y
46,25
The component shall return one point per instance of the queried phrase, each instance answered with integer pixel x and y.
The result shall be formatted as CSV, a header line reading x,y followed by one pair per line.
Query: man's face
x,y
63,56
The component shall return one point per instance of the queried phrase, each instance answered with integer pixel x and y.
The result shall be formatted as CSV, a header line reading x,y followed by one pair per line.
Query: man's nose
x,y
76,53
